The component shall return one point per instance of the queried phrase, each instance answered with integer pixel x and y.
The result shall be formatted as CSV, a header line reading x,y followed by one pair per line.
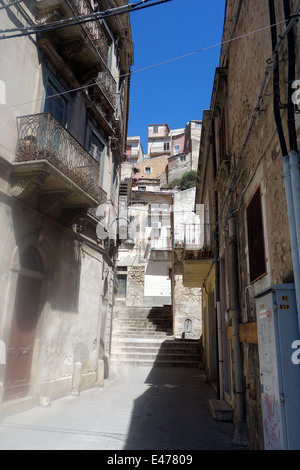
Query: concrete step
x,y
133,336
142,331
144,337
122,348
142,321
156,353
190,358
146,315
157,363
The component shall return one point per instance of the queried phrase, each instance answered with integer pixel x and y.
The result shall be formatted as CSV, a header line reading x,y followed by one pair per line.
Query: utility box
x,y
279,359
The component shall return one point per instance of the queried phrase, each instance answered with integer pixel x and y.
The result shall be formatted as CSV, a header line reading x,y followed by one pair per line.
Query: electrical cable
x,y
11,4
96,16
132,72
232,185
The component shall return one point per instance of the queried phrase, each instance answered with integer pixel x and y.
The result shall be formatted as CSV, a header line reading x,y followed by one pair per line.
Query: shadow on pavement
x,y
173,413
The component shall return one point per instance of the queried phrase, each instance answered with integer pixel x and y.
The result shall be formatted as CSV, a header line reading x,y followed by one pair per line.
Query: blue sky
x,y
179,91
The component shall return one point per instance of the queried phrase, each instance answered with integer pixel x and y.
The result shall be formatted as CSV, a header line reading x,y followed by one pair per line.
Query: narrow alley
x,y
139,408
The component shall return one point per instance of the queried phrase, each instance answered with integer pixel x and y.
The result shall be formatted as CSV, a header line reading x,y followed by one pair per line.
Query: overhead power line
x,y
151,66
95,16
9,5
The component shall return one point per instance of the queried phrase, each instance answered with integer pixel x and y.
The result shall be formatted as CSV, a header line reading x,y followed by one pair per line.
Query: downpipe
x,y
220,368
292,190
290,159
240,434
295,177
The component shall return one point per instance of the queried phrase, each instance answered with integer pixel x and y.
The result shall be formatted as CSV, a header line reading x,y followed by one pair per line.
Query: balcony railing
x,y
93,29
98,38
42,137
108,86
162,244
193,237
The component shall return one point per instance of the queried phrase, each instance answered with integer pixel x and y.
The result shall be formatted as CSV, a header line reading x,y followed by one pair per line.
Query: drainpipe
x,y
295,178
292,228
218,319
290,160
294,157
240,435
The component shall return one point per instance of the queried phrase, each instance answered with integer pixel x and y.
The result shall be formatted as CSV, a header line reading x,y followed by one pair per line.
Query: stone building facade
x,y
187,233
63,117
250,130
144,270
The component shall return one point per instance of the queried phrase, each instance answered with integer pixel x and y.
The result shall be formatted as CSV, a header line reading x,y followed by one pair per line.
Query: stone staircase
x,y
144,336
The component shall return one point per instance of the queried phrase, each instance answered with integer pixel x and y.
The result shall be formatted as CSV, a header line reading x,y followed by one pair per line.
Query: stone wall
x,y
248,158
186,306
135,286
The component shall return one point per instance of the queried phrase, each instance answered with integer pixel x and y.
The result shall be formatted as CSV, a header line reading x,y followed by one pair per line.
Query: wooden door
x,y
20,347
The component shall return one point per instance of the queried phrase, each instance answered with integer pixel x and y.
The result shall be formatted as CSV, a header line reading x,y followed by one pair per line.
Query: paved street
x,y
137,409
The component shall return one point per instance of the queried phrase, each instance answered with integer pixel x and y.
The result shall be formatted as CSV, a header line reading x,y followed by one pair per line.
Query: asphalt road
x,y
138,409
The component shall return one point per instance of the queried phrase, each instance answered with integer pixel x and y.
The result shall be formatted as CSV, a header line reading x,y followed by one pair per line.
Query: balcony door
x,y
56,103
25,317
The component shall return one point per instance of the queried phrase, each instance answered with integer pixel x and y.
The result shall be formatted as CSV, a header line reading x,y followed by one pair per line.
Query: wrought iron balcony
x,y
161,244
193,234
93,29
42,137
108,86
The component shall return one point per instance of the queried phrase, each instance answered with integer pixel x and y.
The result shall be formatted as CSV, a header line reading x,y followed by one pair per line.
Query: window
x,y
147,170
167,146
108,53
256,245
176,149
183,158
222,138
155,129
159,214
142,188
56,104
96,147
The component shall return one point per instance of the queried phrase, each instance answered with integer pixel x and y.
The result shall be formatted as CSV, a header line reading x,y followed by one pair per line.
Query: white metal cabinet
x,y
278,340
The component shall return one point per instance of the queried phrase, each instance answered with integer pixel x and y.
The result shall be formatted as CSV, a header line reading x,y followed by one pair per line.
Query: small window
x,y
155,130
147,170
183,158
96,147
256,244
176,149
142,188
167,146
